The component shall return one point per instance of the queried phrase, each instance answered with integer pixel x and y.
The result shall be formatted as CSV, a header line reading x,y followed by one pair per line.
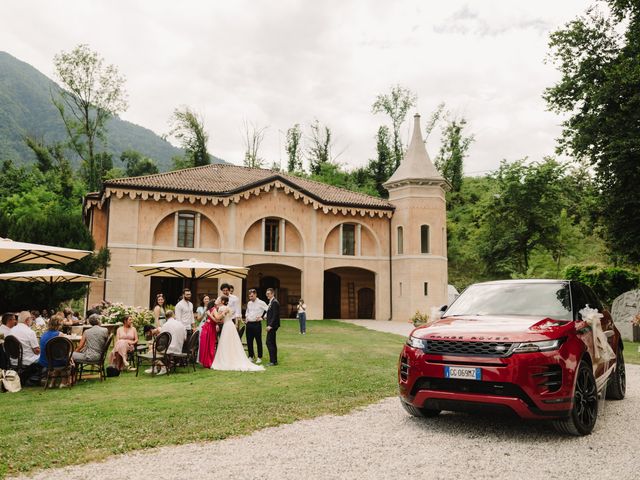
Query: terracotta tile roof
x,y
223,180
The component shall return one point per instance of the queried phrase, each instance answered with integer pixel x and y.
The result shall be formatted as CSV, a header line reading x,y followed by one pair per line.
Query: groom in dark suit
x,y
273,323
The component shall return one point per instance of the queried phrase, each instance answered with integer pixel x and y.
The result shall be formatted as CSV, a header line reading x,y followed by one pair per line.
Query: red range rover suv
x,y
518,346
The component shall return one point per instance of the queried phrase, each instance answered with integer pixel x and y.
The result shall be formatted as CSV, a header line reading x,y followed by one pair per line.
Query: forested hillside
x,y
26,109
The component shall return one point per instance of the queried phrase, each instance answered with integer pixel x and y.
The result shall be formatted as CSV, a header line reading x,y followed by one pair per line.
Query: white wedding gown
x,y
230,352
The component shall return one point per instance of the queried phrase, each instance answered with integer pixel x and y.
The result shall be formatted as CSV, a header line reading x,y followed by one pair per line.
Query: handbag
x,y
10,381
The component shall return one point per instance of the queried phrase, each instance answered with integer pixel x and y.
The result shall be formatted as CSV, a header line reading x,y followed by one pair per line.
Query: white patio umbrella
x,y
191,269
49,276
21,252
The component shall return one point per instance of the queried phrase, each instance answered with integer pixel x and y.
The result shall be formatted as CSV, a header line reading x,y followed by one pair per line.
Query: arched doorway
x,y
285,280
349,292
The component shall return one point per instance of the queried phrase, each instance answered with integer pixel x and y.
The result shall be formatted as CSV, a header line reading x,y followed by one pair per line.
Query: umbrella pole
x,y
50,302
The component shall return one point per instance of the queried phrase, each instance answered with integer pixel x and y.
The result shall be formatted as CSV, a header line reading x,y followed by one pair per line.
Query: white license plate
x,y
468,373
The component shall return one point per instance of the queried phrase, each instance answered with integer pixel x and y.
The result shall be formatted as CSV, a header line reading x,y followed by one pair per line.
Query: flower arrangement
x,y
117,312
419,318
39,329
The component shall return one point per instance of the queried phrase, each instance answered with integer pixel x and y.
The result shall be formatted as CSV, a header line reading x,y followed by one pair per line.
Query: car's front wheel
x,y
419,412
584,413
618,382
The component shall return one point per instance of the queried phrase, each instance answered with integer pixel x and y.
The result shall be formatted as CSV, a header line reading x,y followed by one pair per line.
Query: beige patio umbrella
x,y
191,269
49,276
21,252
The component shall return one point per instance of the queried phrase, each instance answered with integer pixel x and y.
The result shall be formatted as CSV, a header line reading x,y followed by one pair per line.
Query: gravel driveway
x,y
382,442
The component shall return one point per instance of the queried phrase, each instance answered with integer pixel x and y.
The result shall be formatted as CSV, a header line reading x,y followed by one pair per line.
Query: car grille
x,y
481,349
500,389
404,368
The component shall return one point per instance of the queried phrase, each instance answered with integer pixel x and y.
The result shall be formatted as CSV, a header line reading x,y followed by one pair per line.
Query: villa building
x,y
349,255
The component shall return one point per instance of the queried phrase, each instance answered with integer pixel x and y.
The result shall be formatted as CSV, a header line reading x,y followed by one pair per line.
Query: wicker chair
x,y
132,355
13,349
95,366
186,358
157,355
59,349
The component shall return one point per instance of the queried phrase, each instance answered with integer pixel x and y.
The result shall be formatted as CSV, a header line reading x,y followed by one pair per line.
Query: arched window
x,y
186,231
424,239
400,241
271,235
348,231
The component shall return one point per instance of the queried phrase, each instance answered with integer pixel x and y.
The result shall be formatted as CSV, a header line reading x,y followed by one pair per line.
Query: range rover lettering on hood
x,y
460,337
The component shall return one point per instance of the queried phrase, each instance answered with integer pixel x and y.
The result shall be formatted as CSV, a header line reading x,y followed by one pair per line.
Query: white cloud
x,y
286,62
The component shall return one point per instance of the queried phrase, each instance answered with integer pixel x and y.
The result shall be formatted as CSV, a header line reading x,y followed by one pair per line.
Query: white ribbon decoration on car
x,y
601,348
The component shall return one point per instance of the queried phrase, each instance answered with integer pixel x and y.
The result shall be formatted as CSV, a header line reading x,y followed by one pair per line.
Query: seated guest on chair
x,y
55,324
9,321
92,342
30,349
178,336
126,339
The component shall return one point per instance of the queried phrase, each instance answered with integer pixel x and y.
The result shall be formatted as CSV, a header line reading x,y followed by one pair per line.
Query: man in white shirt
x,y
8,322
254,314
40,320
30,349
234,302
184,311
178,337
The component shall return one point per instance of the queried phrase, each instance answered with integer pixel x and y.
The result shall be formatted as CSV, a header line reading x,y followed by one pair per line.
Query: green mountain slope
x,y
26,108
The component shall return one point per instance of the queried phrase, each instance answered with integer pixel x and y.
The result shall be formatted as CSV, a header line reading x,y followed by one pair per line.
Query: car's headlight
x,y
416,342
544,346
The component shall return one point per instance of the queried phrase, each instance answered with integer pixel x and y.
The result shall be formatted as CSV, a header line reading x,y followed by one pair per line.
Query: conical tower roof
x,y
416,166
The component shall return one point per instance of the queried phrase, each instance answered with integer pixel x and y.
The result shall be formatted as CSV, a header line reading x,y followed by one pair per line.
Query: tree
x,y
334,174
396,104
91,93
51,158
187,127
320,149
40,207
252,137
381,168
522,215
598,55
455,144
434,118
137,164
294,149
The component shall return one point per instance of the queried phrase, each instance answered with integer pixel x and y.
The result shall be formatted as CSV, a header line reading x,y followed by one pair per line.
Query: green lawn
x,y
333,369
631,353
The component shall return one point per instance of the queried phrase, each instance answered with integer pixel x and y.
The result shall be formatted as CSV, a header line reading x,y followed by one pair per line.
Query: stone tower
x,y
419,232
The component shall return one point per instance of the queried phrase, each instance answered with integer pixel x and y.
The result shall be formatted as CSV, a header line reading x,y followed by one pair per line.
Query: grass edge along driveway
x,y
333,369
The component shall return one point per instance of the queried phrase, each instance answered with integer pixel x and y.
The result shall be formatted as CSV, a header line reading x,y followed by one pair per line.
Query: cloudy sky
x,y
277,63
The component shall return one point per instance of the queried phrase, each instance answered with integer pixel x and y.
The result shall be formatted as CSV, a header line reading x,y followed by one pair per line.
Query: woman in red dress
x,y
209,335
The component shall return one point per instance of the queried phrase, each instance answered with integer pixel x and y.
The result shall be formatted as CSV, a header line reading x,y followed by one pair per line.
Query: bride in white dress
x,y
230,352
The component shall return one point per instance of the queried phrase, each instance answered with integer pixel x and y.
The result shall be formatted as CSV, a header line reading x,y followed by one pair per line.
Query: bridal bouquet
x,y
602,350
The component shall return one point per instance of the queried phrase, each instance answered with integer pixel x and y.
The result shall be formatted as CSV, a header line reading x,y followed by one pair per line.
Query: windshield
x,y
538,299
